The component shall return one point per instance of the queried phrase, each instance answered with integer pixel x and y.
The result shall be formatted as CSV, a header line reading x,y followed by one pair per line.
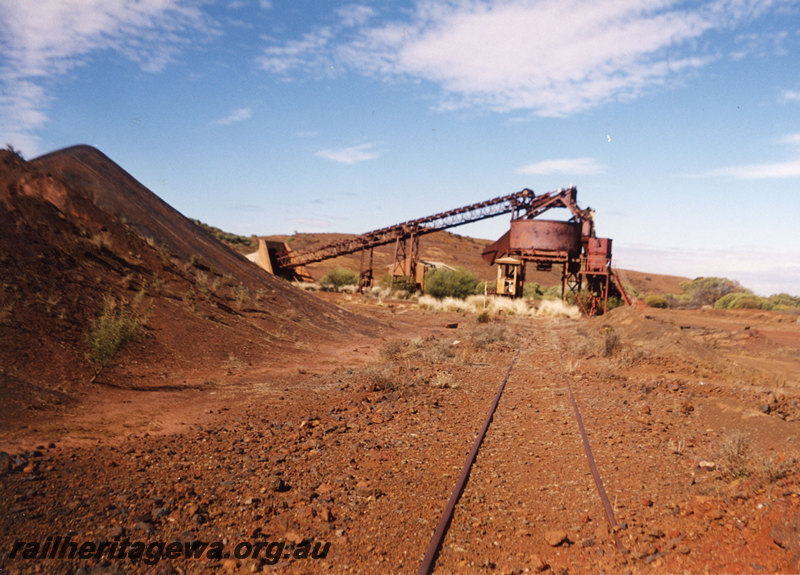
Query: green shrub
x,y
658,301
485,335
241,294
532,290
631,291
379,377
611,342
735,458
402,284
337,278
393,349
233,240
784,299
458,283
438,351
444,381
614,302
115,327
552,292
790,309
742,300
706,291
751,302
190,299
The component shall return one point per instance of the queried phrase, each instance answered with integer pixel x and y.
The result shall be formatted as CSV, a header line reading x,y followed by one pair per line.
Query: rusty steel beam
x,y
522,204
618,282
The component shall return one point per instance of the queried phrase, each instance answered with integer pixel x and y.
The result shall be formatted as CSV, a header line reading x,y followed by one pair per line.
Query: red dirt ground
x,y
288,418
369,437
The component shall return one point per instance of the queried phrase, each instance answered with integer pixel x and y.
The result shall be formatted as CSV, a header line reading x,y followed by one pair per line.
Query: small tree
x,y
444,282
705,291
337,278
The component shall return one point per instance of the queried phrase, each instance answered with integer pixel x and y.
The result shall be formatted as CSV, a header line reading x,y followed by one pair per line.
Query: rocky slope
x,y
81,235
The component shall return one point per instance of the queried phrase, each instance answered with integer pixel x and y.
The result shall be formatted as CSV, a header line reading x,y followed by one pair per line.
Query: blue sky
x,y
679,122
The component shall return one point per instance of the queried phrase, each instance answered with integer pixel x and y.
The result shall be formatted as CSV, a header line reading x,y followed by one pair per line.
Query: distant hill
x,y
652,284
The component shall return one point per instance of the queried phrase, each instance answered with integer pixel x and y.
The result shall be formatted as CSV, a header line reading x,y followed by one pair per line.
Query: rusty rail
x,y
612,520
438,535
598,481
434,547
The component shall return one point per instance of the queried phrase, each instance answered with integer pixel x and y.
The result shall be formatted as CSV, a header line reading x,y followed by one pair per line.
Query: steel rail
x,y
598,481
434,547
438,535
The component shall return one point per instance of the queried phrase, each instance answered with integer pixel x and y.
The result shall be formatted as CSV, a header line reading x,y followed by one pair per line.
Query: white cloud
x,y
350,155
313,51
765,171
763,45
578,166
763,270
312,223
354,15
551,57
296,53
56,36
238,115
791,140
768,171
790,96
517,55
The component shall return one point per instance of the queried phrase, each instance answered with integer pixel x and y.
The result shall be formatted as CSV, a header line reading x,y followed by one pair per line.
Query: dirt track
x,y
361,444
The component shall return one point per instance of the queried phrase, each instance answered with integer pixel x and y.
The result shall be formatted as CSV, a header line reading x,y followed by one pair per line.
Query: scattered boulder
x,y
277,484
293,536
538,564
6,464
145,526
707,465
556,537
601,532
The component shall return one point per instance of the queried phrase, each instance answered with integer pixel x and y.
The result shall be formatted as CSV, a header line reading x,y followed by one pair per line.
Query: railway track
x,y
520,492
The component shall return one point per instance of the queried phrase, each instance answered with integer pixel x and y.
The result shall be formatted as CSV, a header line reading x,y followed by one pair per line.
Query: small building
x,y
402,269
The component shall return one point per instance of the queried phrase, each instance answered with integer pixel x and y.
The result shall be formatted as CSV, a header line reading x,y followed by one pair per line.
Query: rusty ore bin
x,y
546,235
